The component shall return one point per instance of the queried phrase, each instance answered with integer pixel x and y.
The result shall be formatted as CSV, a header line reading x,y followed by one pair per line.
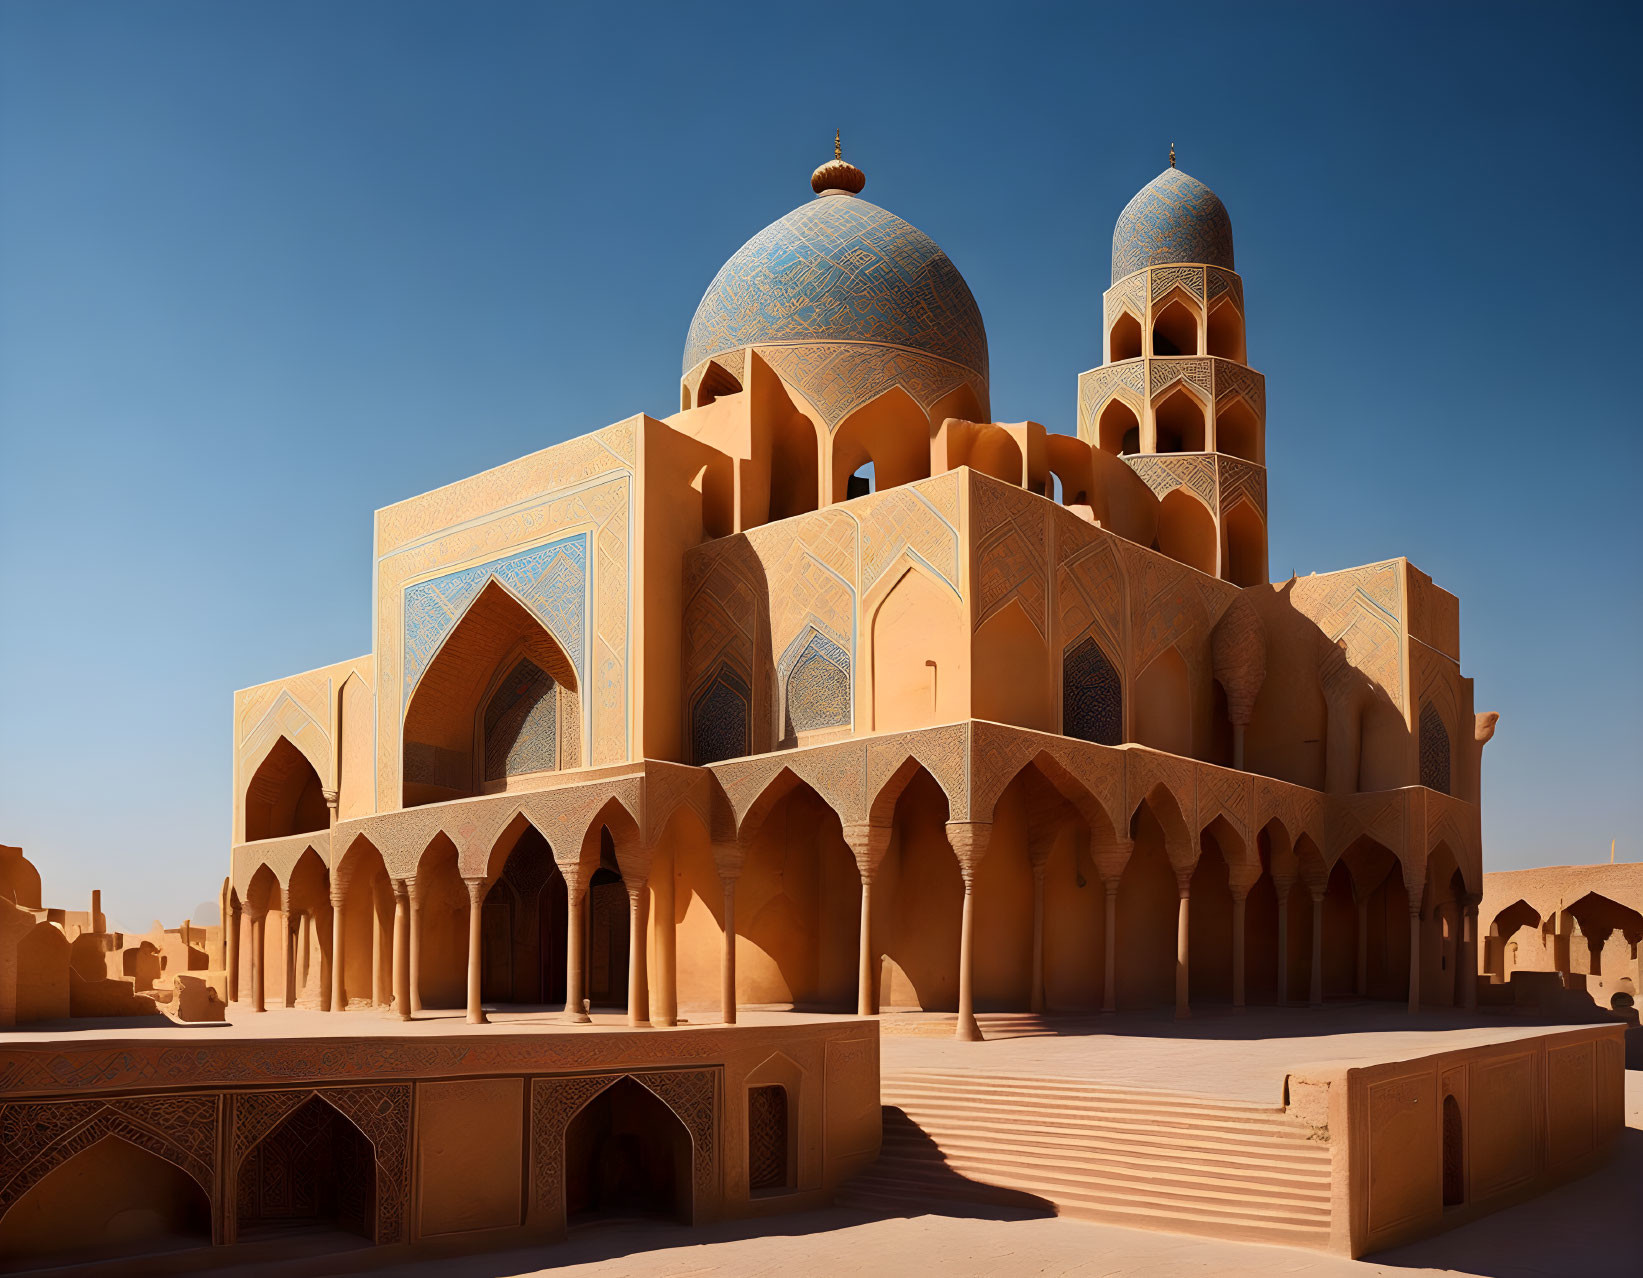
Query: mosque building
x,y
829,691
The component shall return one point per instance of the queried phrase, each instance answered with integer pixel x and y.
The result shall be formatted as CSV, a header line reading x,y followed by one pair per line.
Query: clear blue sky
x,y
267,267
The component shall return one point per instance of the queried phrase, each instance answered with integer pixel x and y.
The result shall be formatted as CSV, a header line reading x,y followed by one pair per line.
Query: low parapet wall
x,y
473,1139
1424,1144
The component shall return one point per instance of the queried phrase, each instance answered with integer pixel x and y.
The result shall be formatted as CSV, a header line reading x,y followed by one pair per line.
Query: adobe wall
x,y
1426,1144
420,1102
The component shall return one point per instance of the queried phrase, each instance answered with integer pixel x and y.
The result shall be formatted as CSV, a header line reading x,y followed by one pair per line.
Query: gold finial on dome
x,y
1172,155
838,174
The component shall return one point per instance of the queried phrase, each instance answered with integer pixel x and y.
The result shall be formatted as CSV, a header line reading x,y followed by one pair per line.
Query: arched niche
x,y
284,795
919,670
109,1200
1238,430
1092,694
721,716
893,433
1118,430
524,921
499,699
1013,668
627,1155
1178,422
316,1168
717,381
1226,331
1435,768
1245,557
1175,327
1162,715
1124,338
1186,531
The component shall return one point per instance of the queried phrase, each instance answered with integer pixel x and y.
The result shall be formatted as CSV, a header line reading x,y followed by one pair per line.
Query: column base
x,y
968,1031
478,1018
575,1018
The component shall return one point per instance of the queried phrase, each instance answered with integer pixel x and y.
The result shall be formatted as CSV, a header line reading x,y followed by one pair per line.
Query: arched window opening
x,y
1186,531
626,1155
1434,741
721,718
716,381
1092,695
1175,329
1454,1154
523,926
521,723
1238,430
1163,705
1124,341
1226,332
1178,424
111,1200
892,433
1119,430
767,1140
1245,558
860,484
315,1168
284,796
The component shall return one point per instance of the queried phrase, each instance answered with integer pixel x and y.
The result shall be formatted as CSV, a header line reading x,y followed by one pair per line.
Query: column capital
x,y
256,913
1110,857
401,888
869,844
330,797
728,856
969,839
476,889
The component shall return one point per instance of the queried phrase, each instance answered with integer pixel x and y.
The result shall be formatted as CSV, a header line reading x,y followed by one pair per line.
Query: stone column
x,y
1466,971
257,1000
306,922
1316,995
665,999
638,986
727,962
402,949
416,946
339,988
476,909
1283,941
968,839
1109,969
233,957
868,844
1363,947
1414,959
1183,886
290,921
1037,858
379,979
576,901
1240,897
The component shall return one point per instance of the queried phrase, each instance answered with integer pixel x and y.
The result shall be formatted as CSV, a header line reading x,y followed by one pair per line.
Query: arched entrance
x,y
315,1170
627,1155
111,1199
523,925
608,931
284,795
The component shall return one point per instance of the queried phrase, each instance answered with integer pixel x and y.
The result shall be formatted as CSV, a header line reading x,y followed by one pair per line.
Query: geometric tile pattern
x,y
839,269
817,680
550,580
520,723
721,719
1434,737
1173,218
837,378
1362,607
1092,695
1009,535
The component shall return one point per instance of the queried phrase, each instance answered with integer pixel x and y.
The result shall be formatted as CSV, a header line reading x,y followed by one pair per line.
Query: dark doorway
x,y
608,934
627,1155
1454,1154
767,1139
523,928
315,1169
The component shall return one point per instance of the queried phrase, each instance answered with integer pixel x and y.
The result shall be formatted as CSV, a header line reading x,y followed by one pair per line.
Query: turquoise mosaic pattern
x,y
721,720
1173,218
521,728
839,269
551,581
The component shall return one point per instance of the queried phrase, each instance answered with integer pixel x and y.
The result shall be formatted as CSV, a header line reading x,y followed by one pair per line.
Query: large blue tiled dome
x,y
840,270
1173,218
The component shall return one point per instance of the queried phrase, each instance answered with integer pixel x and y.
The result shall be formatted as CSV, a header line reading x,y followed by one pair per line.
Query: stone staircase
x,y
1066,1146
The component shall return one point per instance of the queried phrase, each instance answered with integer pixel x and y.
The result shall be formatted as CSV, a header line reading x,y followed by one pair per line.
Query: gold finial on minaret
x,y
838,175
1172,155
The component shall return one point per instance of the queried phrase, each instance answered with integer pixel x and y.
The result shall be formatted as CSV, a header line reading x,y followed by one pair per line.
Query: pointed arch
x,y
815,682
721,716
1186,531
1226,331
627,1152
497,649
917,655
1244,553
1124,337
1092,693
716,381
284,795
1436,772
314,1162
1178,418
1118,428
1175,325
892,432
918,894
1238,429
1162,713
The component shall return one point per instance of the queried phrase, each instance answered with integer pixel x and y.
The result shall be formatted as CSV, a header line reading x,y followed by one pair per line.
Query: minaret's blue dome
x,y
1173,218
840,270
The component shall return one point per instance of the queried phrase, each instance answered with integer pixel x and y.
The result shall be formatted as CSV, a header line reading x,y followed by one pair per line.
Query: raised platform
x,y
431,1131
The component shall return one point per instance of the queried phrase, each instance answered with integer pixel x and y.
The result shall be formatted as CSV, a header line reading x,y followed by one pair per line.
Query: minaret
x,y
1175,396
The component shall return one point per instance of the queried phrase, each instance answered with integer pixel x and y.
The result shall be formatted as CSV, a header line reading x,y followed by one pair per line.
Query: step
x,y
1015,1120
1082,1089
1162,1144
1308,1181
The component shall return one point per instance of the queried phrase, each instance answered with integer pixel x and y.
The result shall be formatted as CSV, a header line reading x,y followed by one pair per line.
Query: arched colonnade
x,y
956,868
